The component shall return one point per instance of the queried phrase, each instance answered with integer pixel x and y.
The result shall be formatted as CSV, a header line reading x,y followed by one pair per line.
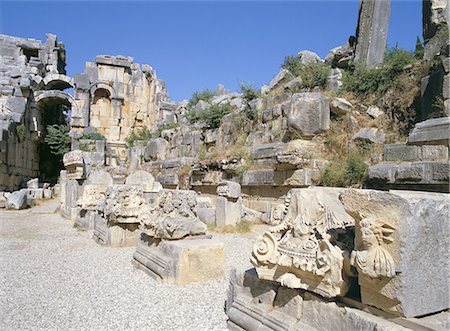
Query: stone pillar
x,y
229,204
371,32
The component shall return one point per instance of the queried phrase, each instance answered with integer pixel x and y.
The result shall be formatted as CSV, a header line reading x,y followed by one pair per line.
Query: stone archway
x,y
54,108
57,82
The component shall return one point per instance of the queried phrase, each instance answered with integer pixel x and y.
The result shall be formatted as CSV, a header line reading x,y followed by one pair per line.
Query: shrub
x,y
140,134
211,117
93,136
346,172
363,81
21,132
249,93
313,74
205,95
57,138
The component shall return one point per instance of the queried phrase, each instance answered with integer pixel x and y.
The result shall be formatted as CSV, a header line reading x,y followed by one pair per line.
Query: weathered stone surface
x,y
180,261
431,132
207,215
294,84
334,80
156,149
143,179
289,252
17,200
374,112
370,135
228,212
255,304
100,177
423,175
308,57
115,235
275,82
74,164
230,190
371,33
33,183
401,239
402,152
309,113
340,106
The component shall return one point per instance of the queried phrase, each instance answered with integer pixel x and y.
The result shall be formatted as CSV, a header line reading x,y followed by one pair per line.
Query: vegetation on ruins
x,y
21,132
399,75
58,139
140,134
345,172
249,93
93,135
205,95
210,117
157,133
312,74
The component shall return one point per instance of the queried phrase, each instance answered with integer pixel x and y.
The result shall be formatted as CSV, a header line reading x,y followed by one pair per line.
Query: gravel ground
x,y
55,277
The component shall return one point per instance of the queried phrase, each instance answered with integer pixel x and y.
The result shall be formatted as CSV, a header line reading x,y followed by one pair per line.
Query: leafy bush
x,y
21,132
93,136
363,81
249,93
211,117
57,138
205,95
140,134
346,172
313,74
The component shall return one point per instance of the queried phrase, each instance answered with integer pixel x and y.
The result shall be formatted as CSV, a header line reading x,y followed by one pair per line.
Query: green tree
x,y
57,138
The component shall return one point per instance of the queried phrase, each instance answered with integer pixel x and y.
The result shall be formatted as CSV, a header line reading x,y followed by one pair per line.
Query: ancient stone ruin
x,y
165,178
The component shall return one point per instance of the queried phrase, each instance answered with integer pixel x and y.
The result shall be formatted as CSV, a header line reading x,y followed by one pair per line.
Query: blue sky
x,y
196,45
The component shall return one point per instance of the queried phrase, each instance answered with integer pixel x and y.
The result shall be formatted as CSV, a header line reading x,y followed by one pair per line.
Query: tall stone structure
x,y
435,90
371,32
114,96
32,80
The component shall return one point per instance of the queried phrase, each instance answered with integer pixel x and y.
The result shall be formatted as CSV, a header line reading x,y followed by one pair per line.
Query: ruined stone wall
x,y
28,67
115,96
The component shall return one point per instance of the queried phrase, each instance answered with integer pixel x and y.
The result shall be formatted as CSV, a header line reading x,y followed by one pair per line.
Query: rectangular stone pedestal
x,y
117,235
180,261
86,219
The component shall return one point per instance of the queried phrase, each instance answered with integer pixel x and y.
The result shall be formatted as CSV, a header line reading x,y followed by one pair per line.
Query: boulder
x,y
374,112
308,57
275,82
340,106
309,113
293,84
156,149
370,135
17,200
33,183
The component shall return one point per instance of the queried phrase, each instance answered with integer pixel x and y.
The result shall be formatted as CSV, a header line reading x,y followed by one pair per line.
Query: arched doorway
x,y
54,107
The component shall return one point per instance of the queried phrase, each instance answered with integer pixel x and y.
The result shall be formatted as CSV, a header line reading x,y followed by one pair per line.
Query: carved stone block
x,y
401,250
180,261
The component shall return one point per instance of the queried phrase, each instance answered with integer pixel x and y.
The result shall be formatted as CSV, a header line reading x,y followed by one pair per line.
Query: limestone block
x,y
48,193
86,219
267,150
99,177
401,239
431,132
340,106
118,235
289,253
302,177
374,112
370,135
258,177
275,82
206,214
294,84
309,113
308,57
228,189
35,194
255,304
228,212
74,164
156,149
33,183
180,262
17,200
143,179
3,200
401,152
371,38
